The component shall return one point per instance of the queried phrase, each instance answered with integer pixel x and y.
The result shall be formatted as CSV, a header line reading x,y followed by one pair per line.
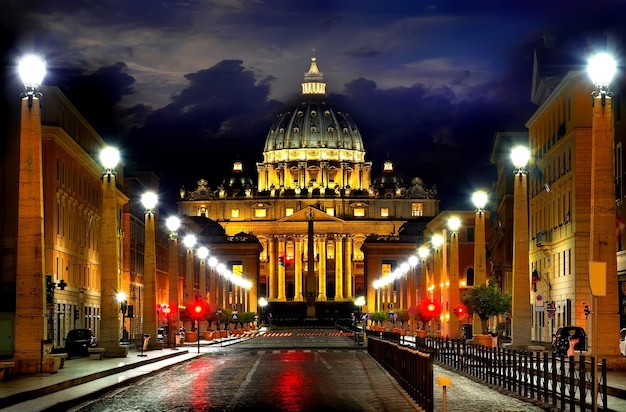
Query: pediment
x,y
305,215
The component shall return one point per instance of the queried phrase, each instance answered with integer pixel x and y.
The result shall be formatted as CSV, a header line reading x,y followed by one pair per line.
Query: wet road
x,y
264,380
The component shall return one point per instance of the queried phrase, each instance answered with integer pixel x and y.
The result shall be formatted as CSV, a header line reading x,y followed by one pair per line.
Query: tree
x,y
486,301
402,316
379,317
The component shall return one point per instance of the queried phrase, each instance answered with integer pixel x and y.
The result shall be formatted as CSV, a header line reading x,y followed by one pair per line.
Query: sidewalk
x,y
82,377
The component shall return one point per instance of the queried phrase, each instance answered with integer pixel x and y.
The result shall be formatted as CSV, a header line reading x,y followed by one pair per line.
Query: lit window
x,y
417,209
289,211
234,213
359,212
260,212
330,211
384,212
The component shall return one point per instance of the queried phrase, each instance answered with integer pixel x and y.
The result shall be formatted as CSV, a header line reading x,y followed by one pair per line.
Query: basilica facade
x,y
314,203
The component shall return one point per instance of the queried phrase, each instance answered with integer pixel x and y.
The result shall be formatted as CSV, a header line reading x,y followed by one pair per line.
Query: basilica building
x,y
315,202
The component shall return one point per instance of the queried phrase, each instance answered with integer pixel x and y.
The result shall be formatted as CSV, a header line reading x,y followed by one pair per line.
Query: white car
x,y
622,342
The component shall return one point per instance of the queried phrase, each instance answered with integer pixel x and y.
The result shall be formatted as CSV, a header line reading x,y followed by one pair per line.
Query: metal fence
x,y
411,368
565,383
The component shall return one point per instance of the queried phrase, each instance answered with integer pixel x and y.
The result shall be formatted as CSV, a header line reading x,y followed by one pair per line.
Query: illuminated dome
x,y
313,148
312,129
388,180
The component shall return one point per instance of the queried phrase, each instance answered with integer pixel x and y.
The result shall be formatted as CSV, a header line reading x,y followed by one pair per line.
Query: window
x,y
260,212
330,211
289,211
384,212
234,213
359,212
417,209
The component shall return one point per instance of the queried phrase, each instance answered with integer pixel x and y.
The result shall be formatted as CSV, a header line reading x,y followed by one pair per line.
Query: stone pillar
x,y
602,238
436,281
521,313
149,280
172,268
30,304
110,310
453,275
338,267
189,295
480,251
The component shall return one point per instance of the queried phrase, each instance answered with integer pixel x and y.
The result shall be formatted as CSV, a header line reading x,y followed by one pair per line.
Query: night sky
x,y
185,87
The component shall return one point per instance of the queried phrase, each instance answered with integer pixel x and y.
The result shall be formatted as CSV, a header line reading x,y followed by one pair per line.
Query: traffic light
x,y
76,313
198,309
586,309
460,310
429,309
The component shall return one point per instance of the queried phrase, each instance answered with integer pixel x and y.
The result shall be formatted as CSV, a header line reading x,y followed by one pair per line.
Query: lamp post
x,y
262,305
30,303
149,201
359,303
121,299
203,254
520,305
111,285
438,243
603,248
454,223
189,241
479,198
173,224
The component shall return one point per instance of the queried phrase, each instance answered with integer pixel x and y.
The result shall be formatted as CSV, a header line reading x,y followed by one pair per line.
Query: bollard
x,y
444,382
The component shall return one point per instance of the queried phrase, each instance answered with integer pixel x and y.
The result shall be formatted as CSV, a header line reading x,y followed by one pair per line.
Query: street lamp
x,y
203,254
121,299
359,303
603,248
454,223
520,305
112,280
263,304
189,241
173,224
480,198
30,306
149,200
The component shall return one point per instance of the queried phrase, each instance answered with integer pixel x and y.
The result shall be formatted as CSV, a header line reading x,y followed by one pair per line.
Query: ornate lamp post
x,y
149,201
30,303
603,247
454,223
520,309
121,299
173,224
203,254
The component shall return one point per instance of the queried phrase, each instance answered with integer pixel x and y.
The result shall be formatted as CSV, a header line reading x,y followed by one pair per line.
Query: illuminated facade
x,y
314,168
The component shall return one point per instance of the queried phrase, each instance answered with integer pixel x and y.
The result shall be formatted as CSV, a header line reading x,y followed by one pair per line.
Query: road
x,y
275,380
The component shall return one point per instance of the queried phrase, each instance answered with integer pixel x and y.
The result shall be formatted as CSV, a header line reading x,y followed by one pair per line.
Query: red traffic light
x,y
198,309
460,310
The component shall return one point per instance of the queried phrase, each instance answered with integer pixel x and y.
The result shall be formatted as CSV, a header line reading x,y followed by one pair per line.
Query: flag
x,y
535,279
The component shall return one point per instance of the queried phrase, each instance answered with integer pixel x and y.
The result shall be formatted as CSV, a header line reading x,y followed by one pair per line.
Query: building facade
x,y
314,169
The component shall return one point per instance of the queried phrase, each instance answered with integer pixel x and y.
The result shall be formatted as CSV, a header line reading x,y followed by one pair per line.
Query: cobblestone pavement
x,y
291,380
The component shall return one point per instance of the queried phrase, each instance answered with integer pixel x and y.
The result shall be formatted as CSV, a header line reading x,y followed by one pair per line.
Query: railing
x,y
411,368
565,383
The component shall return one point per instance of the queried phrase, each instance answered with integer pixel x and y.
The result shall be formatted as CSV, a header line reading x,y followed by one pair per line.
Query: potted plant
x,y
486,301
378,318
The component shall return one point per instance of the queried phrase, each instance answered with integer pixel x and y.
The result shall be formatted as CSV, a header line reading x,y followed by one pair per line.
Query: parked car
x,y
162,333
79,341
622,342
566,335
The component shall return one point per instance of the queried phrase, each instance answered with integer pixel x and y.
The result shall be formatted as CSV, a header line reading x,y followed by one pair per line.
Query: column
x,y
111,315
30,304
281,269
338,267
273,263
521,319
298,268
347,258
321,250
454,283
149,280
